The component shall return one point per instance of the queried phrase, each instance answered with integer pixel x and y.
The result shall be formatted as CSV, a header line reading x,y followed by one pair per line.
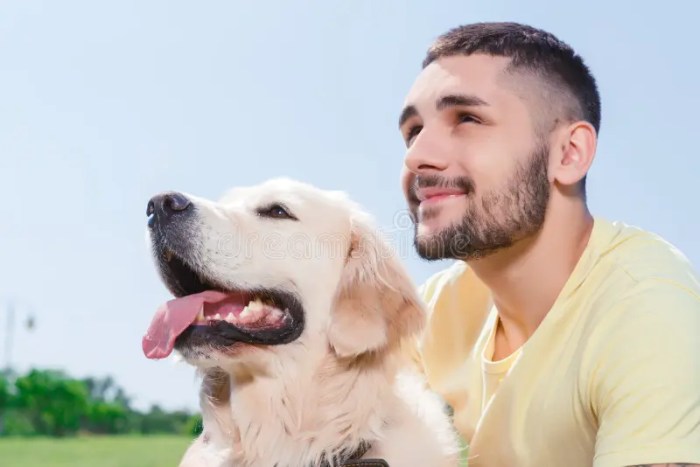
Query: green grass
x,y
97,451
94,451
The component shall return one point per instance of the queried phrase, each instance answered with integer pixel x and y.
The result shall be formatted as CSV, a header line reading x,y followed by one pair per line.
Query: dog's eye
x,y
276,211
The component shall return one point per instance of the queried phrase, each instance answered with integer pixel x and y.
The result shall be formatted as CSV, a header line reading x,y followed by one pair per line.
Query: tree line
x,y
49,402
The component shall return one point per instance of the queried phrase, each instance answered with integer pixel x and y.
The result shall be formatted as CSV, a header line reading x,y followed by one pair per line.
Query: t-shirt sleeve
x,y
645,379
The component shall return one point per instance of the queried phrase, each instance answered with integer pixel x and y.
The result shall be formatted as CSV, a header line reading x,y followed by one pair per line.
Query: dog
x,y
295,312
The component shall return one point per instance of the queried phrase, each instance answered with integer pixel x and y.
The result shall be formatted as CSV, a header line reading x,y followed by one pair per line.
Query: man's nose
x,y
428,152
164,207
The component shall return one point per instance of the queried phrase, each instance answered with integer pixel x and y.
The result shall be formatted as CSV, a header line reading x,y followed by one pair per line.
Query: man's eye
x,y
467,118
275,211
412,133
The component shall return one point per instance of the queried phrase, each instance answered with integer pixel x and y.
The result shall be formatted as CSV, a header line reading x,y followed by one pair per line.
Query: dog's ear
x,y
377,304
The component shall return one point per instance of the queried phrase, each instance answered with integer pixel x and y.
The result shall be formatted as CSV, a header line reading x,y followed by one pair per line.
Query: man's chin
x,y
434,225
456,242
432,249
440,242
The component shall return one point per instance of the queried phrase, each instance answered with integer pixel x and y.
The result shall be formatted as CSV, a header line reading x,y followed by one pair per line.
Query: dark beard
x,y
501,218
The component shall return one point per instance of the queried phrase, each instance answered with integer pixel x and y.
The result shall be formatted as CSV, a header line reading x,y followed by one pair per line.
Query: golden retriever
x,y
294,310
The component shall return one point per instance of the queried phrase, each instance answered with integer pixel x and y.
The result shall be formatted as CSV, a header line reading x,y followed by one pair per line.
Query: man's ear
x,y
575,147
377,304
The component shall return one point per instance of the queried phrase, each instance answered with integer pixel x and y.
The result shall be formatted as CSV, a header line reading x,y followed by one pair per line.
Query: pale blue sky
x,y
103,104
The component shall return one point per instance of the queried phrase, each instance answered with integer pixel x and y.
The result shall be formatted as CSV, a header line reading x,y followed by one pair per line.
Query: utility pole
x,y
9,336
8,354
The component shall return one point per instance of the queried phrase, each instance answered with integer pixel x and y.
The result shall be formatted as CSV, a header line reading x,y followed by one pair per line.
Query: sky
x,y
104,104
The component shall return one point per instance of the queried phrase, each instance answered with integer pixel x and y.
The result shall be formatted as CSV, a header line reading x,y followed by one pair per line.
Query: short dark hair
x,y
529,49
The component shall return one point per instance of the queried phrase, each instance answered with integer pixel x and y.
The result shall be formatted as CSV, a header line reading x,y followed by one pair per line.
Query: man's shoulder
x,y
653,305
643,287
644,257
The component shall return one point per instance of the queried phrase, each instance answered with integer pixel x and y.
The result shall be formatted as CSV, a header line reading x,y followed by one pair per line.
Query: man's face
x,y
475,172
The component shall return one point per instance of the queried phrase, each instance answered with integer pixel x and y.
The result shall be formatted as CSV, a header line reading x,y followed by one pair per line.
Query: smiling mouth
x,y
206,316
434,199
431,190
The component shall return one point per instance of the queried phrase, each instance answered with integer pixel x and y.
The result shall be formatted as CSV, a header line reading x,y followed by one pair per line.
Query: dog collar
x,y
366,463
353,459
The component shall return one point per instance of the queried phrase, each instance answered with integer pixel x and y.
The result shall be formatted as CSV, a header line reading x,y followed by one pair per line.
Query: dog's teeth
x,y
200,315
217,316
248,315
276,314
255,305
230,317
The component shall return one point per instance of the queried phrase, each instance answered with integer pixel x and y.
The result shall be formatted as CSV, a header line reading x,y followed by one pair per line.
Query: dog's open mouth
x,y
205,316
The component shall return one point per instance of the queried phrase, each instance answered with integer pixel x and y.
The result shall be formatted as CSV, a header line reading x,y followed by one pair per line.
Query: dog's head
x,y
281,263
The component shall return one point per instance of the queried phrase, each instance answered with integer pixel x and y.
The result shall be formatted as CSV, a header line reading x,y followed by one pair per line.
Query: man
x,y
558,338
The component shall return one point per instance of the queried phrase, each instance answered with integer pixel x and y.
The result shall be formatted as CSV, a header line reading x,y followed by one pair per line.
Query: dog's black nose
x,y
163,206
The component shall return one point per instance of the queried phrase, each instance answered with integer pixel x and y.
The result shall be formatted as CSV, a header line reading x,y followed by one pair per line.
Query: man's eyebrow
x,y
454,100
408,112
451,100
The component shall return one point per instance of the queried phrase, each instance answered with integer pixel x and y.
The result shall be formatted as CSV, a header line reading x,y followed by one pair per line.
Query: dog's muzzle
x,y
164,207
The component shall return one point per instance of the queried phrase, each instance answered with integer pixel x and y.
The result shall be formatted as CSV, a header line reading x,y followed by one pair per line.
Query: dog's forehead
x,y
287,191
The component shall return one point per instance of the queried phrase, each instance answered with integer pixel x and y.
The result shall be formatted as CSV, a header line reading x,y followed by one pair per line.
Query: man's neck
x,y
527,278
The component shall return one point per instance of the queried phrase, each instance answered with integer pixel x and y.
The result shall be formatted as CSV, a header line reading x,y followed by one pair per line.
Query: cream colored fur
x,y
345,379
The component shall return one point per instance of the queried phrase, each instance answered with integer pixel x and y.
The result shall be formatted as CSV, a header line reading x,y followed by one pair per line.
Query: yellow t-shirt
x,y
493,371
610,378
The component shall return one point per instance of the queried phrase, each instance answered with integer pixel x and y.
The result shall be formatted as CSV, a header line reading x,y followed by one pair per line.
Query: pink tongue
x,y
171,319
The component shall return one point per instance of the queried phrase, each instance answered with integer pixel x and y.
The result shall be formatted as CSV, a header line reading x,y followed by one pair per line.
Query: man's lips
x,y
427,196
